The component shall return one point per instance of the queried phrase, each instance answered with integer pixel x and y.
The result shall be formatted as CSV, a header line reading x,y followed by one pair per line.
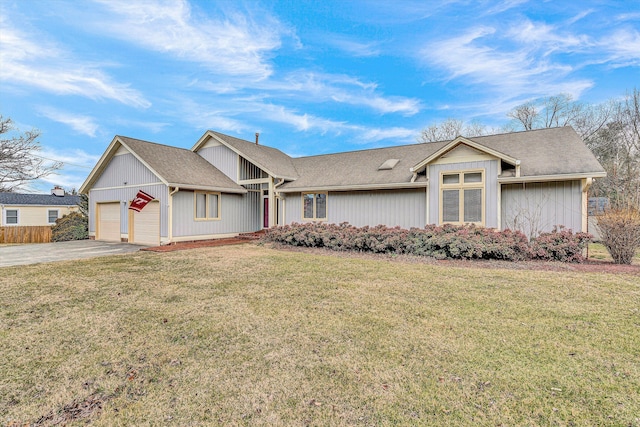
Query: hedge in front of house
x,y
440,242
560,245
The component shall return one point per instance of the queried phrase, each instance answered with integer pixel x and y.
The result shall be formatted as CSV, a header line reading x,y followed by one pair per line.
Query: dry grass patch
x,y
247,335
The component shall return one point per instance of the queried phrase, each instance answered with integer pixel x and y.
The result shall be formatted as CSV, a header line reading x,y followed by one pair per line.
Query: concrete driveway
x,y
60,251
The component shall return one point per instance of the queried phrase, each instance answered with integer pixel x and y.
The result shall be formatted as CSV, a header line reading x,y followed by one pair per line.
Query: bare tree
x,y
19,162
525,115
450,129
561,110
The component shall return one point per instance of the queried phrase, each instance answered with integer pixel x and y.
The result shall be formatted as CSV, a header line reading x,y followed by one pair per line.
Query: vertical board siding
x,y
223,158
123,169
404,208
240,213
540,206
159,192
491,188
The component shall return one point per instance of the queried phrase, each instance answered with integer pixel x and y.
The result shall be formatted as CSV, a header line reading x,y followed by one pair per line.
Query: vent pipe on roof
x,y
257,136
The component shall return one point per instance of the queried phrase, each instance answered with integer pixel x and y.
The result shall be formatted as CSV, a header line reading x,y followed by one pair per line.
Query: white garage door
x,y
146,225
108,222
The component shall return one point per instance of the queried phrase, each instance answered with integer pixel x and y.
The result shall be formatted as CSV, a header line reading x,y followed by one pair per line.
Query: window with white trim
x,y
11,216
206,205
462,197
52,216
314,206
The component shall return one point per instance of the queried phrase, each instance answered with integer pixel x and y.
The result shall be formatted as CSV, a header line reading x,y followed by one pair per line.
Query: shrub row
x,y
440,242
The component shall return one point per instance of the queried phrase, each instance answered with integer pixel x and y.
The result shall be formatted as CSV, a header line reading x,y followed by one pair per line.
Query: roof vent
x,y
389,164
57,191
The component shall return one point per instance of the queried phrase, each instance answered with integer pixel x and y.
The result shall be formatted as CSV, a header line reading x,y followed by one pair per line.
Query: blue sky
x,y
311,76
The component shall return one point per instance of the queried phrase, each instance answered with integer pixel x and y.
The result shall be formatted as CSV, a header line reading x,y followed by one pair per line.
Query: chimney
x,y
57,191
257,136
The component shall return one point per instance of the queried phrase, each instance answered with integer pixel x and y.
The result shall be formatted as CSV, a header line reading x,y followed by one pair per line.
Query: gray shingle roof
x,y
38,199
557,151
267,158
181,167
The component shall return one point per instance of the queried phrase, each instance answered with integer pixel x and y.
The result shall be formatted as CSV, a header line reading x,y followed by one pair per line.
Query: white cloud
x,y
623,48
351,46
233,44
523,71
396,133
82,124
46,66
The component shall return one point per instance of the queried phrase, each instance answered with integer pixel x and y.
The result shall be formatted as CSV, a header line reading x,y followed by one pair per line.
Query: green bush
x,y
73,226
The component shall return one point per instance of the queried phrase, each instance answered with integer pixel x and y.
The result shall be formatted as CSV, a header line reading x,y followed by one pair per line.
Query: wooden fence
x,y
17,234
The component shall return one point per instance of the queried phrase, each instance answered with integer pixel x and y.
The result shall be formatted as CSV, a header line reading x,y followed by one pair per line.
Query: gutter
x,y
357,187
539,178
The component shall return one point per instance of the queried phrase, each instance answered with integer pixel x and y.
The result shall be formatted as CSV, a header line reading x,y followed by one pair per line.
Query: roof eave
x,y
208,188
355,187
556,177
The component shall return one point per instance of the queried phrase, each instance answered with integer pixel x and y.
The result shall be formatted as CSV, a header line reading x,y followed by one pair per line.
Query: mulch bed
x,y
179,246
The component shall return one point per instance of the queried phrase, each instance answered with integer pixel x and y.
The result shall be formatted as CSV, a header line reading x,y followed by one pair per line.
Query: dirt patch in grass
x,y
81,410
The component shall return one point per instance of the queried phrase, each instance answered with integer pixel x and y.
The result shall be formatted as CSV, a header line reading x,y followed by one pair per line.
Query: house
x,y
36,209
223,186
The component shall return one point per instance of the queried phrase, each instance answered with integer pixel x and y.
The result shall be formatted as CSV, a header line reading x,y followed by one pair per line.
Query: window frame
x,y
208,195
57,211
6,216
461,186
315,211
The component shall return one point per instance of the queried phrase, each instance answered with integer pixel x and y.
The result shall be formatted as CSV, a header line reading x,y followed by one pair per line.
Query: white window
x,y
314,206
207,205
462,197
11,216
52,215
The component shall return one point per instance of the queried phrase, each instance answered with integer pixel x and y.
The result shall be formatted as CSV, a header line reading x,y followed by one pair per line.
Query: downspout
x,y
171,193
586,184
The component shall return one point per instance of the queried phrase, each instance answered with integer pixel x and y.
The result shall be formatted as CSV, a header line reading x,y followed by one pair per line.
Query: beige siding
x,y
36,215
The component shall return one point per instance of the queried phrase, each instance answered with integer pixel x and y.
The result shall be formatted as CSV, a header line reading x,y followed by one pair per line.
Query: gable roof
x,y
543,154
38,199
269,159
546,152
176,167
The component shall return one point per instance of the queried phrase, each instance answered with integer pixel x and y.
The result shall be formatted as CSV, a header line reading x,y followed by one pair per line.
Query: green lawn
x,y
248,335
